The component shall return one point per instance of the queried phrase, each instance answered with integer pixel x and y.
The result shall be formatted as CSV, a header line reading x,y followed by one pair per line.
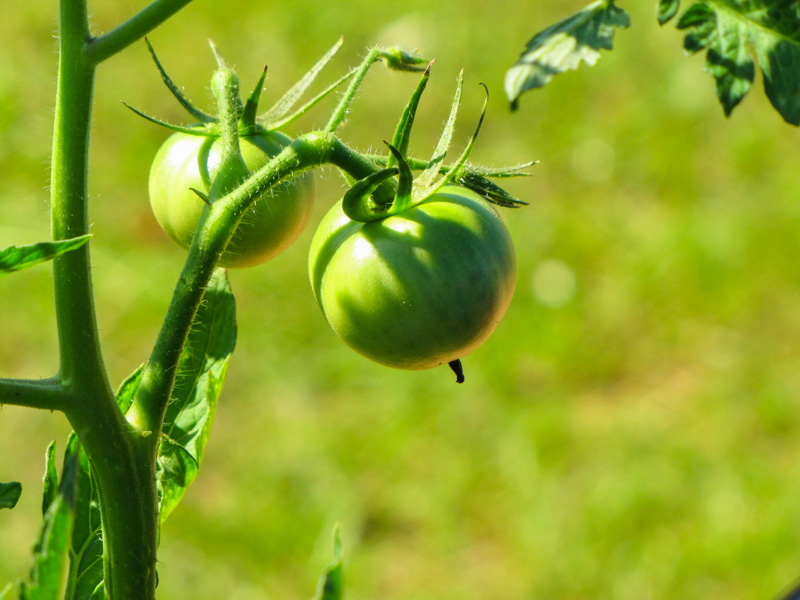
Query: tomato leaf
x,y
51,551
330,585
86,557
50,478
201,373
667,9
127,389
564,46
737,35
17,258
10,493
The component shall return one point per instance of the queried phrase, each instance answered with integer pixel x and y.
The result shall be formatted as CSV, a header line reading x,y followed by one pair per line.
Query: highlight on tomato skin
x,y
418,289
271,224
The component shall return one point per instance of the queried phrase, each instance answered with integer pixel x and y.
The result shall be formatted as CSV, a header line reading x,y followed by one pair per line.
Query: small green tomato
x,y
417,289
271,223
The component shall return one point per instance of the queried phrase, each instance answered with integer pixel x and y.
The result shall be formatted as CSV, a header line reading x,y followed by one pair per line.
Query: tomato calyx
x,y
359,204
250,122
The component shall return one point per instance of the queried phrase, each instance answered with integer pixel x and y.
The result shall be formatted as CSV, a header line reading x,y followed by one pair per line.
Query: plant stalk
x,y
122,463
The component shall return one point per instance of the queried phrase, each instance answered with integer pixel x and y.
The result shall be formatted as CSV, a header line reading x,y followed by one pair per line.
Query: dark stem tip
x,y
455,365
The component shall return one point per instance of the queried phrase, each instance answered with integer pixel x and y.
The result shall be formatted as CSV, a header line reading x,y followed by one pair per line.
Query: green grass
x,y
631,434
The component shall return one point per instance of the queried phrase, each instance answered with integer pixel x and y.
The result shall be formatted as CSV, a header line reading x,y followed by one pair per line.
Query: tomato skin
x,y
271,223
418,289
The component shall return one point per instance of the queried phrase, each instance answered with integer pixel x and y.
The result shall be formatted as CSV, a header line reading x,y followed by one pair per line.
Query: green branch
x,y
46,394
394,58
132,30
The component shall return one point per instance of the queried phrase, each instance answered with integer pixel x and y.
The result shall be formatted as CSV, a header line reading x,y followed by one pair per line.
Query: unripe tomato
x,y
271,223
417,289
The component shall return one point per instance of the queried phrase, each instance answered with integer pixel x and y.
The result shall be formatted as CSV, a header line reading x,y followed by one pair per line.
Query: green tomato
x,y
417,289
271,223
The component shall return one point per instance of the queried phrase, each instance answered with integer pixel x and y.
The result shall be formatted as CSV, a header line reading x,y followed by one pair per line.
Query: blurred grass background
x,y
630,431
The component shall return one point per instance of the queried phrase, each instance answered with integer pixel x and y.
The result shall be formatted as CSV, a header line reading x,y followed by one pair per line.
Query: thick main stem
x,y
122,463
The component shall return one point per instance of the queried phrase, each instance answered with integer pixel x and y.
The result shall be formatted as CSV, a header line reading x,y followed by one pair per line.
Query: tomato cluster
x,y
413,283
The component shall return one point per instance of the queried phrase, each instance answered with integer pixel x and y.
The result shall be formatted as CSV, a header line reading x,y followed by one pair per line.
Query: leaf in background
x,y
51,551
737,34
201,373
10,493
5,593
86,555
17,258
667,9
330,585
563,46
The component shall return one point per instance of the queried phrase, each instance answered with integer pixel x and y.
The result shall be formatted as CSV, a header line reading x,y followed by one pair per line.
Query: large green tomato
x,y
418,289
270,225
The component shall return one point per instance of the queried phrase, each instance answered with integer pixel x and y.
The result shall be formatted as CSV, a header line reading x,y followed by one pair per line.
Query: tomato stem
x,y
458,369
394,59
122,461
232,168
47,394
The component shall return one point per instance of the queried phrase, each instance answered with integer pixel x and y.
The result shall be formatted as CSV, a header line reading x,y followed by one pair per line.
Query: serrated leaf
x,y
737,35
17,258
667,9
10,493
51,551
564,46
86,556
201,373
177,469
330,586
